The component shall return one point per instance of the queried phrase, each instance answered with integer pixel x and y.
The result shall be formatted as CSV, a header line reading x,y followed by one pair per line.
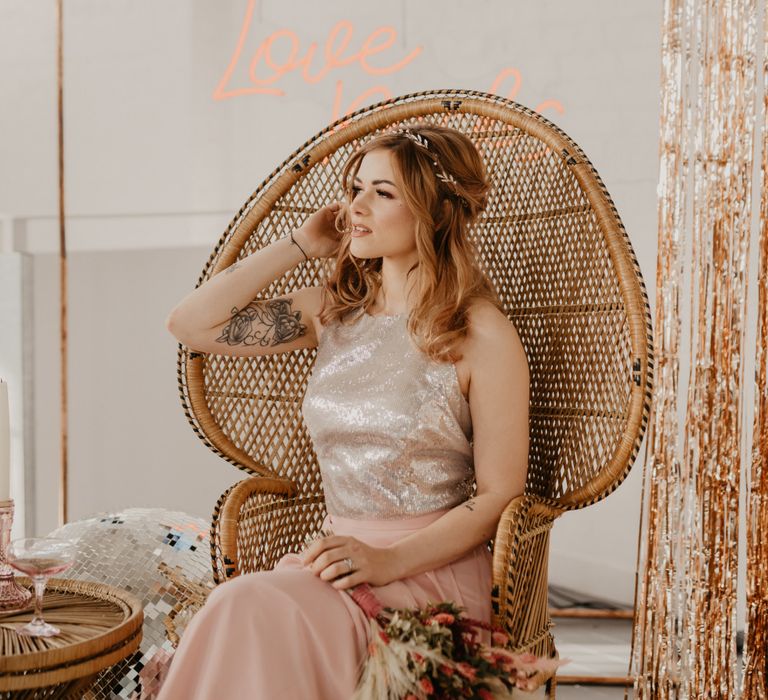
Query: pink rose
x,y
484,694
500,658
446,670
426,685
466,670
500,639
442,618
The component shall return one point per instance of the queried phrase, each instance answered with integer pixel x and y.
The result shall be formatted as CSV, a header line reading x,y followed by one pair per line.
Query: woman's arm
x,y
223,316
212,302
498,398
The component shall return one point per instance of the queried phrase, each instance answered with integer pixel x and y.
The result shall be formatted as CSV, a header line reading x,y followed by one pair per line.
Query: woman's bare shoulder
x,y
486,320
491,334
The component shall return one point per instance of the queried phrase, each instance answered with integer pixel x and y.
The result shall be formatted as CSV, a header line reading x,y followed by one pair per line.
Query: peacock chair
x,y
553,245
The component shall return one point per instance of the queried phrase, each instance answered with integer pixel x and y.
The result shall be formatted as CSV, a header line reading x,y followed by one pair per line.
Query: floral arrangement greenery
x,y
435,653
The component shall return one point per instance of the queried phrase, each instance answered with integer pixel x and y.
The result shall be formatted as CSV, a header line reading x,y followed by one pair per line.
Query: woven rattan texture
x,y
78,618
519,596
78,689
99,624
553,245
264,527
560,260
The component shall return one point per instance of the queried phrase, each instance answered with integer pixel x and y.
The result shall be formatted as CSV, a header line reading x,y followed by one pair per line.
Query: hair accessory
x,y
440,172
293,240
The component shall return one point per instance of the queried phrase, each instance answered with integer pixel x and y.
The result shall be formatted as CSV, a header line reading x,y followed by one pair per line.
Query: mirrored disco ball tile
x,y
124,550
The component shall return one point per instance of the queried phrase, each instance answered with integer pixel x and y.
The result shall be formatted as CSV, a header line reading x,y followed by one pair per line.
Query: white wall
x,y
130,443
156,166
18,374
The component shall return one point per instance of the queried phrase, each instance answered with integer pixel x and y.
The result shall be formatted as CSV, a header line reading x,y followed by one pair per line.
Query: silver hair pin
x,y
440,173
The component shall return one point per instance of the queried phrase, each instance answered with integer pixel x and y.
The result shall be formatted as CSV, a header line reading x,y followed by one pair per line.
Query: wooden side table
x,y
100,625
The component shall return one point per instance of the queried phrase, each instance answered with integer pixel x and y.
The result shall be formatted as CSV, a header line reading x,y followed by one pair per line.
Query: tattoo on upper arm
x,y
232,268
470,504
263,323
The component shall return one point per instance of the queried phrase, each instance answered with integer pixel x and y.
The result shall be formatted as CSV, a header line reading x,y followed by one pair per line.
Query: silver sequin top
x,y
390,426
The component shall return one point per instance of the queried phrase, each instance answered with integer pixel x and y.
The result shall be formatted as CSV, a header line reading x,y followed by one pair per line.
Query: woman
x,y
419,392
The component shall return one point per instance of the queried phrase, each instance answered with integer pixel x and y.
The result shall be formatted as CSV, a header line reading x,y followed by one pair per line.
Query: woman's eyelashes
x,y
383,193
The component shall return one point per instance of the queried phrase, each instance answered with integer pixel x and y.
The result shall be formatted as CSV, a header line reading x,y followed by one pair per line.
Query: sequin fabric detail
x,y
390,427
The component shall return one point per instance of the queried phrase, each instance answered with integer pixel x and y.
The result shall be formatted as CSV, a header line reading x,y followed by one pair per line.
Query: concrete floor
x,y
596,648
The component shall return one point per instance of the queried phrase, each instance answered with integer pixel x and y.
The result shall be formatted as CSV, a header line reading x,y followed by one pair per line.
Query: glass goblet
x,y
40,558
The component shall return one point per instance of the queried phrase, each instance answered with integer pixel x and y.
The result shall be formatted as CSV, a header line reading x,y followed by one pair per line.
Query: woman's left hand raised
x,y
329,558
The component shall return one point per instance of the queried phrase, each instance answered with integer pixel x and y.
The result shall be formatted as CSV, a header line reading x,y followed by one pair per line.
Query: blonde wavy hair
x,y
449,277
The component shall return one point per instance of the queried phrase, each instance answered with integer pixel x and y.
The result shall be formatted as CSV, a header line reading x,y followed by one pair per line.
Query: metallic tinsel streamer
x,y
755,679
653,648
684,641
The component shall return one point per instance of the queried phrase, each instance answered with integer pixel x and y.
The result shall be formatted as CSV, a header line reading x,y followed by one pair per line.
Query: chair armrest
x,y
259,520
520,559
259,492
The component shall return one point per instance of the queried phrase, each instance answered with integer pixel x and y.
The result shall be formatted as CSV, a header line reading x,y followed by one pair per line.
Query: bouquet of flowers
x,y
435,652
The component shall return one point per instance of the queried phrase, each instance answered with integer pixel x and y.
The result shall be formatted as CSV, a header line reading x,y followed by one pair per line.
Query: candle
x,y
5,444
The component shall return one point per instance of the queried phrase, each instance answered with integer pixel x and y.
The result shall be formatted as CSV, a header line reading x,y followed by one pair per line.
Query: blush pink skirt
x,y
286,633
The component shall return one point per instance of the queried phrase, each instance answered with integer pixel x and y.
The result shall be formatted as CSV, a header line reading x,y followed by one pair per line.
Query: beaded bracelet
x,y
293,240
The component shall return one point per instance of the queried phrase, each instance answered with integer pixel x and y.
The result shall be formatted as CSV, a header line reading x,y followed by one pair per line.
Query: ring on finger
x,y
350,565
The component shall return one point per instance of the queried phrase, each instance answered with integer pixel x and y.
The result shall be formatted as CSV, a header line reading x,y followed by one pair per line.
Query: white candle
x,y
5,444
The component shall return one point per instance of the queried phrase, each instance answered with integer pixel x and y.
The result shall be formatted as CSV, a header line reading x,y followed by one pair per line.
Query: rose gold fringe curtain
x,y
755,685
684,643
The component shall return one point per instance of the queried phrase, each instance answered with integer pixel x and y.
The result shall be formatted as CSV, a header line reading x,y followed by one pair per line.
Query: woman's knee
x,y
235,589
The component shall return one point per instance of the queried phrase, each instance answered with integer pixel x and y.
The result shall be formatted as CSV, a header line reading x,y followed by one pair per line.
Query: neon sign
x,y
265,71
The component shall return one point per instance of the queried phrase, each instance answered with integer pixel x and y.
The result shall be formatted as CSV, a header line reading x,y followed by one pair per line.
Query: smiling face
x,y
378,206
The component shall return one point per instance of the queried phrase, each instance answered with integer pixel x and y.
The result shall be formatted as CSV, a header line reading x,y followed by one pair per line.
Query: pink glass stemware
x,y
40,558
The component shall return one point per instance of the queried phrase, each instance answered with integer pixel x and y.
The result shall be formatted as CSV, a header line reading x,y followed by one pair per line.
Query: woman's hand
x,y
318,234
327,556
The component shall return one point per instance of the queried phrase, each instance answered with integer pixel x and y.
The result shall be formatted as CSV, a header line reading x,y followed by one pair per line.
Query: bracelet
x,y
293,240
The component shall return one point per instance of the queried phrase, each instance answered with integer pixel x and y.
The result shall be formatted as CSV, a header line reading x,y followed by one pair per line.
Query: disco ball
x,y
128,549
